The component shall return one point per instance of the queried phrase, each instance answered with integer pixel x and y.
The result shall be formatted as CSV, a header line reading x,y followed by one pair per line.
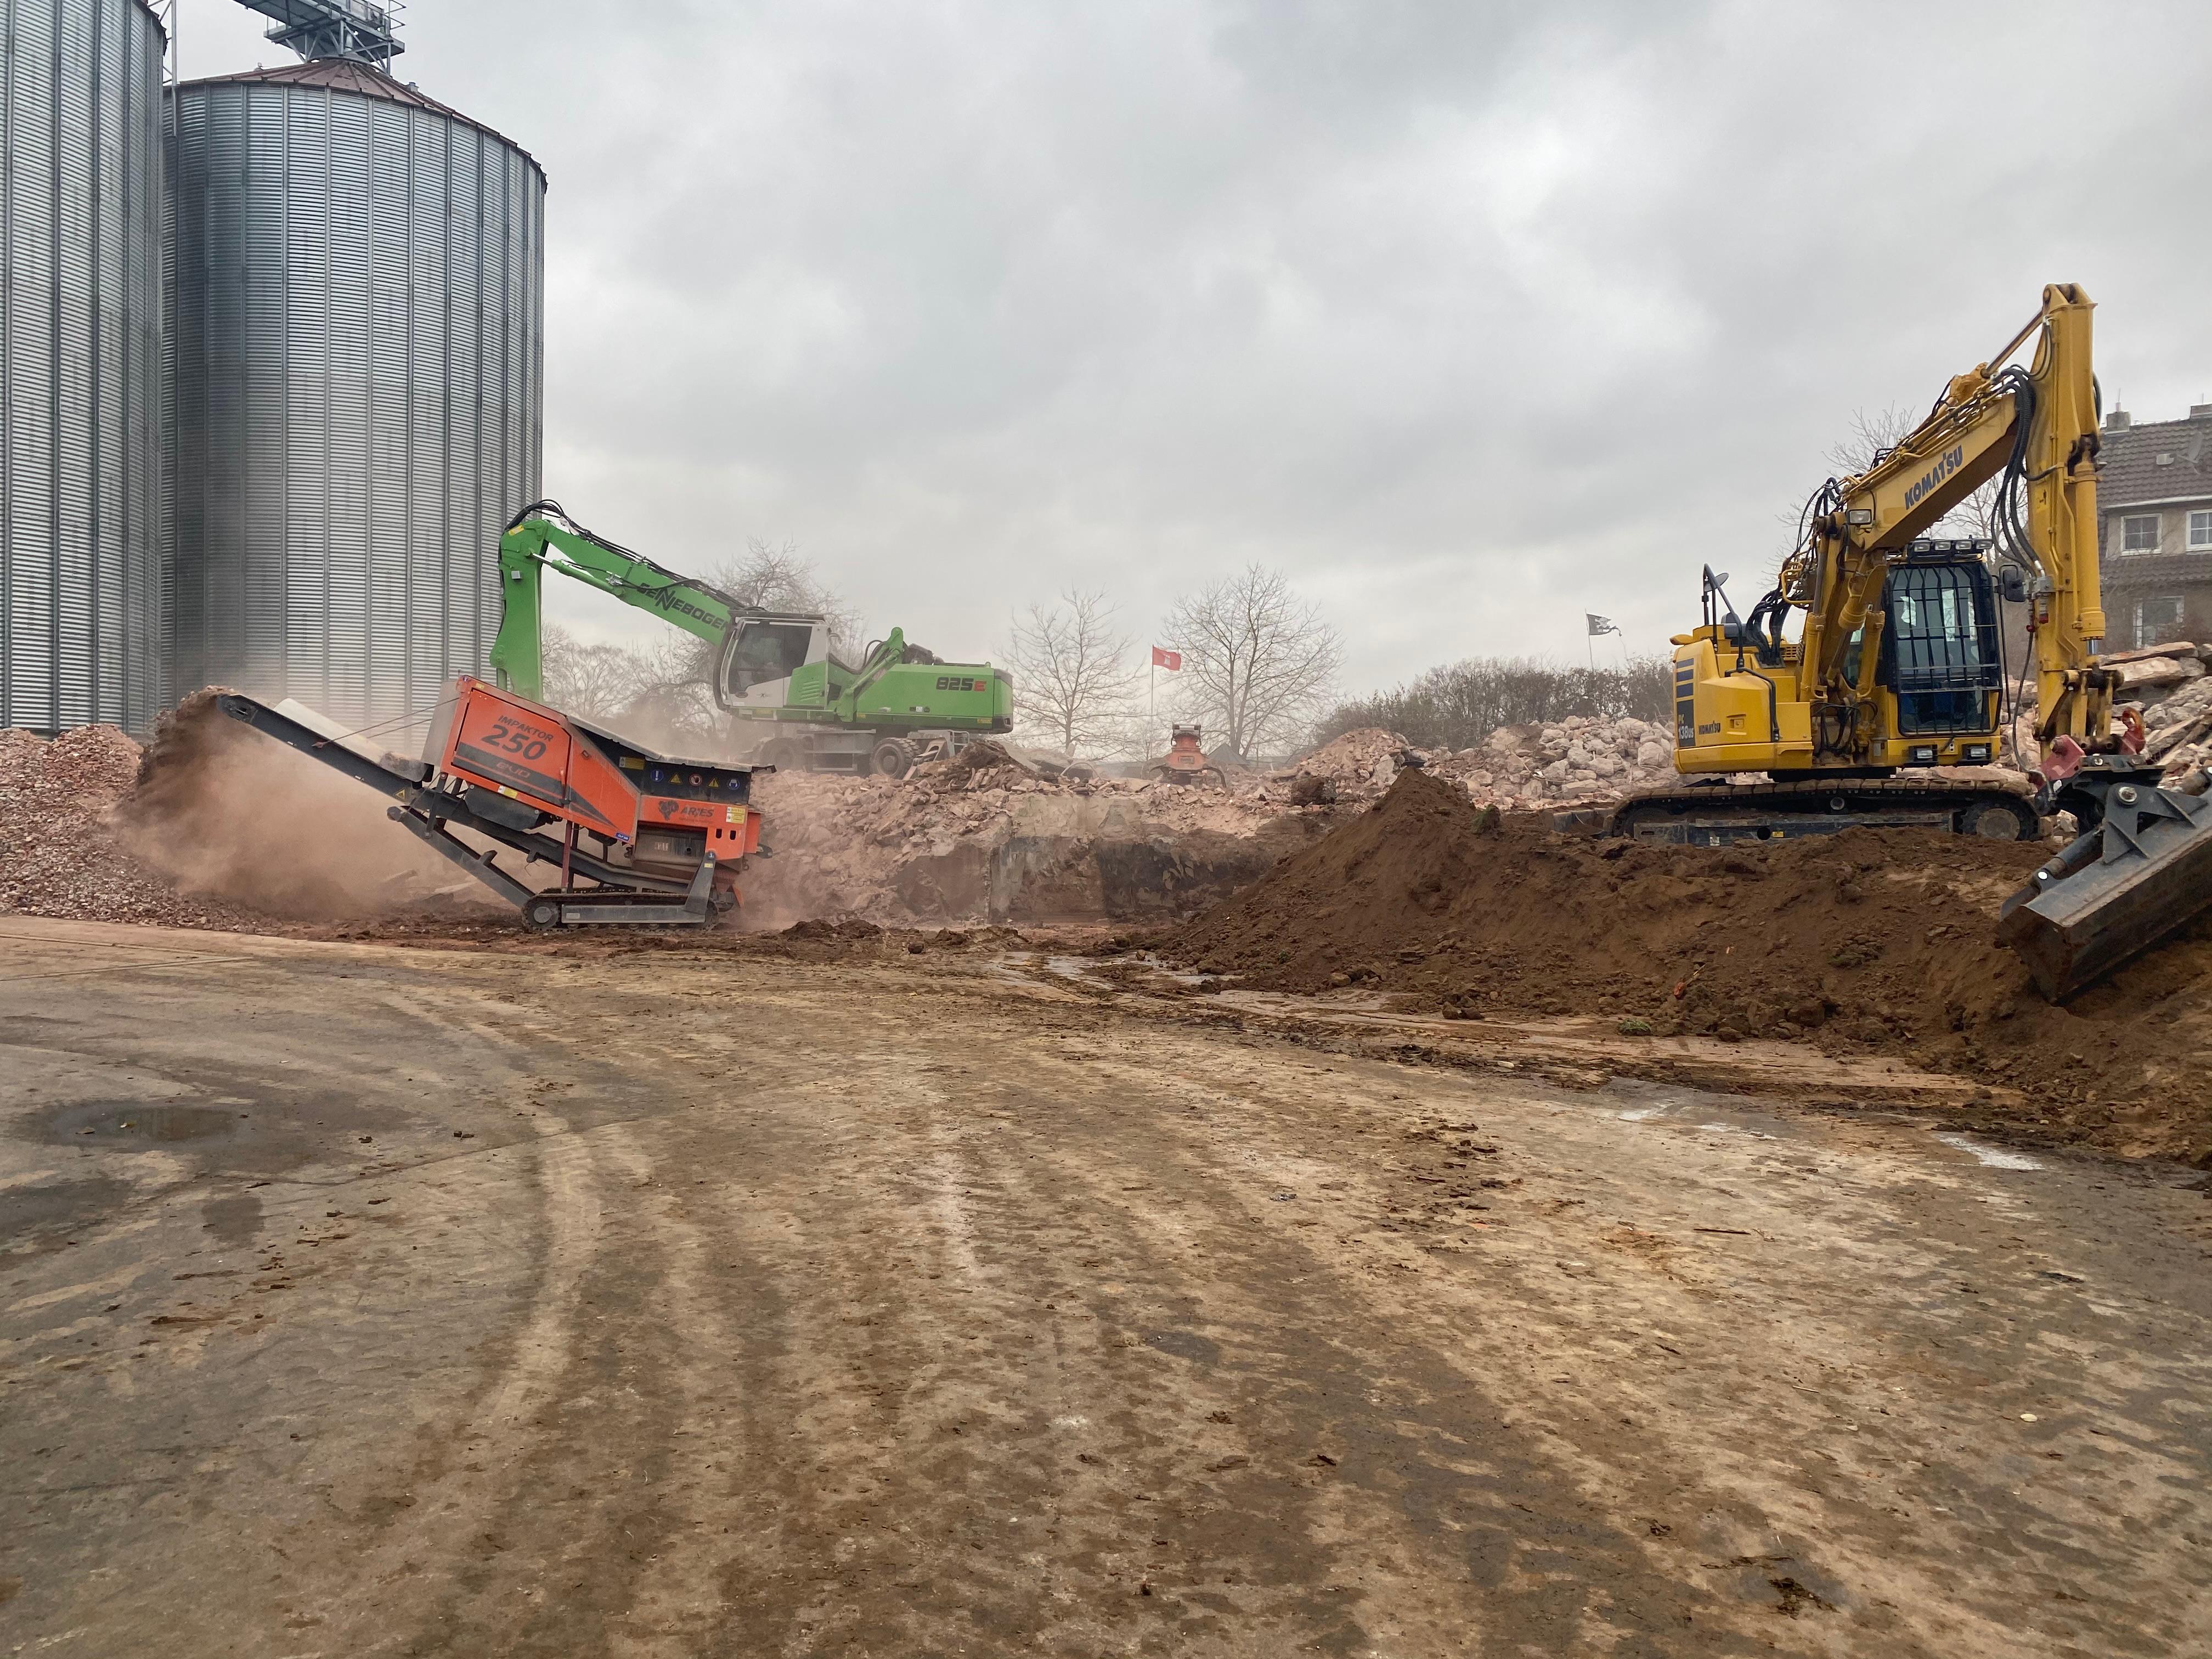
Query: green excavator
x,y
793,703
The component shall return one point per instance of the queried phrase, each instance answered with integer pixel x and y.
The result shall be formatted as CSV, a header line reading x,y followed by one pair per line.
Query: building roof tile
x,y
2133,473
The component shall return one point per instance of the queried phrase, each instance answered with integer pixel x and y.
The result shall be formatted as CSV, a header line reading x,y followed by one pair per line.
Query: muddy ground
x,y
363,1300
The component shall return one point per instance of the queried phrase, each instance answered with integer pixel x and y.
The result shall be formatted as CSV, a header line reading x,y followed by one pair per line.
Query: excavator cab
x,y
762,652
1939,652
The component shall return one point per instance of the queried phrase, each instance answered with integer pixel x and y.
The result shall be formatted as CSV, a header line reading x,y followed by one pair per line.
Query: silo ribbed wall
x,y
80,322
355,322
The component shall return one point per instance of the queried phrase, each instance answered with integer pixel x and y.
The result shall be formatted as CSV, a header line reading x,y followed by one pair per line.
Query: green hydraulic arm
x,y
542,538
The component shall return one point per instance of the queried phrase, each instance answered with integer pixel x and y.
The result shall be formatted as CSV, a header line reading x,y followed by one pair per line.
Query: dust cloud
x,y
229,813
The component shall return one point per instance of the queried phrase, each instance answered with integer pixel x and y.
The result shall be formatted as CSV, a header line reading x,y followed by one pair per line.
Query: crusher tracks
x,y
1716,814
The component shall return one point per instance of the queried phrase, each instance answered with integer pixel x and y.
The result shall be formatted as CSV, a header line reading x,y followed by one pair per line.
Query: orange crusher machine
x,y
666,834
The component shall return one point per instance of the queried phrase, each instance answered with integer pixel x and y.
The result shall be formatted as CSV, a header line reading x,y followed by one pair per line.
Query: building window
x,y
2139,534
2200,531
2157,619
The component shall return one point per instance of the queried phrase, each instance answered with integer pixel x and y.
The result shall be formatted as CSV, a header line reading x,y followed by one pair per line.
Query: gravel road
x,y
357,1300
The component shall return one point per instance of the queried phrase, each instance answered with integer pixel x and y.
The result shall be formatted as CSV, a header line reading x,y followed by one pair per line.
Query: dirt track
x,y
423,1302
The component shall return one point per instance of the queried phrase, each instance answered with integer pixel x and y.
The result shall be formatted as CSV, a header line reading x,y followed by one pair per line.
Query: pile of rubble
x,y
1573,760
2171,687
990,834
60,852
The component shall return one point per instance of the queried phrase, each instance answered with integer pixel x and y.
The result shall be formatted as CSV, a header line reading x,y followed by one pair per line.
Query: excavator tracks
x,y
1718,815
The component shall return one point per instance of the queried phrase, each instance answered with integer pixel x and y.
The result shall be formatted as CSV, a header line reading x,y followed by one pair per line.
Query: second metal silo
x,y
354,307
79,321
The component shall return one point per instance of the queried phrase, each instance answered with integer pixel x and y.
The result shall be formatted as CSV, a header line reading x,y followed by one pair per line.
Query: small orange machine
x,y
669,833
1186,762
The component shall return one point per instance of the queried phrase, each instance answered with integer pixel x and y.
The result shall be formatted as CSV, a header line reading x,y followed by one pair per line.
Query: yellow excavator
x,y
1897,673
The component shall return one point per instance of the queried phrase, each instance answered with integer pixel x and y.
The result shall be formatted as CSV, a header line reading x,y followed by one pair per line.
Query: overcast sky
x,y
1470,317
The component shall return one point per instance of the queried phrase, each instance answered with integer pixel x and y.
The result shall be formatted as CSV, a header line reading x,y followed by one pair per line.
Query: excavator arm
x,y
2036,427
541,538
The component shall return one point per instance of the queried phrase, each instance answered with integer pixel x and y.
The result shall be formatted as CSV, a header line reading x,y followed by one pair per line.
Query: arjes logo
x,y
684,811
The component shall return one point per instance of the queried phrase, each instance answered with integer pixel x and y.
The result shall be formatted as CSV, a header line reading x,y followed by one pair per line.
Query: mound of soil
x,y
1870,940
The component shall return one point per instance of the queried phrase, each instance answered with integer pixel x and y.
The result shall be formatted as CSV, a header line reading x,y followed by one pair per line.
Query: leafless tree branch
x,y
1258,661
1073,674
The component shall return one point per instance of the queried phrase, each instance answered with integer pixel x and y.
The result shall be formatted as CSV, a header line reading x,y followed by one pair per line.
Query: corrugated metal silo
x,y
356,384
79,337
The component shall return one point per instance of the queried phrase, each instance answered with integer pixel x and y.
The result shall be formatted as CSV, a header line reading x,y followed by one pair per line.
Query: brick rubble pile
x,y
59,852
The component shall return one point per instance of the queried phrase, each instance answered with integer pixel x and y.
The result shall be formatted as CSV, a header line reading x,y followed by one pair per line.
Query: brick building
x,y
2155,498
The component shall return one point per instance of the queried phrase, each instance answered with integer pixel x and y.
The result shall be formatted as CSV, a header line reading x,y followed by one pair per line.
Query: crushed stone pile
x,y
62,851
1871,941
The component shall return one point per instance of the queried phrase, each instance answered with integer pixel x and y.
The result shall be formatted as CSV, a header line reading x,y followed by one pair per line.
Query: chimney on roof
x,y
2200,411
2117,420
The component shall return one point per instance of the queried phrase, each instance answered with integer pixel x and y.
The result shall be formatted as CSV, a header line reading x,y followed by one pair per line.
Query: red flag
x,y
1168,659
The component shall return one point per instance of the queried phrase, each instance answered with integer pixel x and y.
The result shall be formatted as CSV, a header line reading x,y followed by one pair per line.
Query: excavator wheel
x,y
893,758
542,915
1998,821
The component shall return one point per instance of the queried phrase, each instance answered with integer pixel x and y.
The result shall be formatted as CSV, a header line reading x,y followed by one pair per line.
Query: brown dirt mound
x,y
1879,941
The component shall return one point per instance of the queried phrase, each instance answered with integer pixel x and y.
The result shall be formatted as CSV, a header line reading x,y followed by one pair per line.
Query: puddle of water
x,y
1995,1157
135,1126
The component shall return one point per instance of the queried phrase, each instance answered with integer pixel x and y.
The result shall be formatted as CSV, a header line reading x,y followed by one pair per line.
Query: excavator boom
x,y
541,538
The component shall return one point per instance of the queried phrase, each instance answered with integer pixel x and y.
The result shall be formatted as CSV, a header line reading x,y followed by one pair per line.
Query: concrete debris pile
x,y
62,854
986,836
1579,759
1355,762
989,835
2172,689
1575,760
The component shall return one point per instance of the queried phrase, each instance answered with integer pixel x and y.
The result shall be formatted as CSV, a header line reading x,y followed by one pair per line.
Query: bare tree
x,y
783,579
1459,705
678,670
1071,672
1257,660
595,681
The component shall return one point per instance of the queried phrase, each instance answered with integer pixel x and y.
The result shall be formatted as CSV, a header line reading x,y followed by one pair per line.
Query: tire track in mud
x,y
860,1316
1004,1437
